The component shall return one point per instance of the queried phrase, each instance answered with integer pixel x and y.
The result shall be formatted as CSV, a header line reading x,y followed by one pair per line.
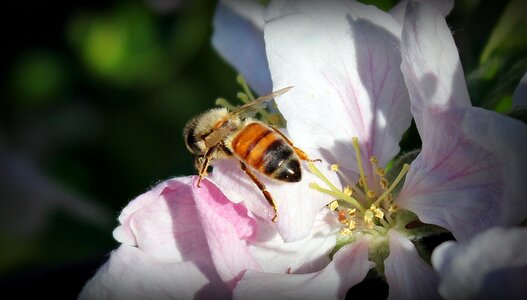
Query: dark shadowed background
x,y
94,96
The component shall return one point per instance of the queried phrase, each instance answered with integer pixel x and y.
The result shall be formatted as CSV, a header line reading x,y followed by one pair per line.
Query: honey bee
x,y
222,134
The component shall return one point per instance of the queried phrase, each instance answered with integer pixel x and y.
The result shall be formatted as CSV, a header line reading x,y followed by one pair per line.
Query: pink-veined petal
x,y
159,222
181,222
519,98
343,59
226,226
408,275
348,267
430,62
297,203
132,274
124,232
470,177
238,37
308,255
493,265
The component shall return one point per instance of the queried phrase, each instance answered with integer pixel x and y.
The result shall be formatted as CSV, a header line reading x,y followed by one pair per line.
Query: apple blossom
x,y
350,107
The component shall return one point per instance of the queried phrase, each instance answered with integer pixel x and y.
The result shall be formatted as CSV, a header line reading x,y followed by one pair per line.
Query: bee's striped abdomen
x,y
266,151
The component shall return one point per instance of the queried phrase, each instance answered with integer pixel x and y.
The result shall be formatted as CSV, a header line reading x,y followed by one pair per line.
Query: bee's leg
x,y
203,163
301,154
262,188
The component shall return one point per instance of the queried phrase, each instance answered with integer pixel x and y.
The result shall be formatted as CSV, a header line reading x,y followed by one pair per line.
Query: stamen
x,y
363,180
321,176
243,97
403,172
333,205
337,194
380,172
348,191
371,194
335,167
377,212
384,183
245,86
345,231
351,225
224,103
368,218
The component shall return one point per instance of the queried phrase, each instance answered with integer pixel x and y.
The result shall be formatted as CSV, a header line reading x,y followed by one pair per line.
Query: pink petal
x,y
163,222
308,255
343,60
132,274
349,267
519,98
493,265
226,226
181,222
297,203
238,37
408,276
430,62
468,178
124,233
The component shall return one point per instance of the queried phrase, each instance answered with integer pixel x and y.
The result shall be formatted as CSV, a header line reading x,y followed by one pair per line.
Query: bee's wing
x,y
252,107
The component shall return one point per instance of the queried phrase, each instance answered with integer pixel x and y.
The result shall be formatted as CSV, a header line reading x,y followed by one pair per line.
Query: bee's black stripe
x,y
275,155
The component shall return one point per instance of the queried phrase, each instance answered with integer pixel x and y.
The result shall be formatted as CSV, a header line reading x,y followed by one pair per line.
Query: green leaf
x,y
510,32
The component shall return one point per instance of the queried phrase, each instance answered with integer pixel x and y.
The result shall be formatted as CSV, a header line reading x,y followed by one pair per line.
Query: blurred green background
x,y
94,96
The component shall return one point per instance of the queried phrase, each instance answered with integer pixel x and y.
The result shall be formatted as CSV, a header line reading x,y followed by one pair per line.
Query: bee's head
x,y
191,141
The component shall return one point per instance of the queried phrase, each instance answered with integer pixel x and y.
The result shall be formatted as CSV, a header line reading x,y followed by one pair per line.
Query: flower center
x,y
366,206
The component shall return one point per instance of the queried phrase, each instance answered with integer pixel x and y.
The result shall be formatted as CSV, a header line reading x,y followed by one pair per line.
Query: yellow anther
x,y
371,194
368,217
345,231
352,211
333,205
380,172
335,167
373,160
393,208
352,224
384,183
348,191
378,213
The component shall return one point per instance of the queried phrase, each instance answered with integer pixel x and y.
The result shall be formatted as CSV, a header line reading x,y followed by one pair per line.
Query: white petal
x,y
297,203
398,12
430,62
238,37
349,267
343,59
491,266
132,274
519,98
408,275
469,178
308,255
